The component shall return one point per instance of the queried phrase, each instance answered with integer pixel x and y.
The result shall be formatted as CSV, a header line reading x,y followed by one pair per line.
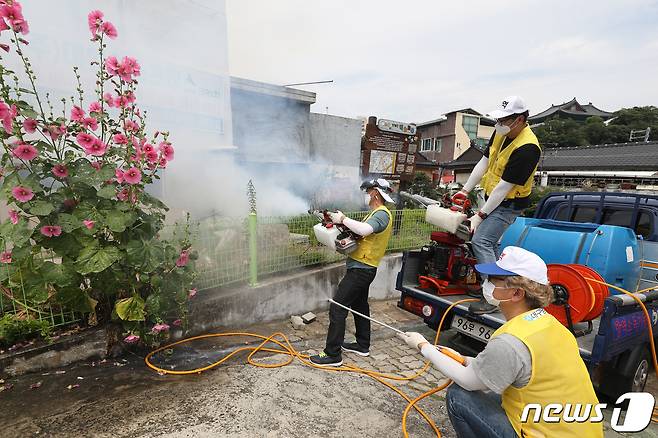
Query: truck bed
x,y
496,319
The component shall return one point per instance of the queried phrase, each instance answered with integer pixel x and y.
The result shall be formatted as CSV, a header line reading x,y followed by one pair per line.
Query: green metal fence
x,y
283,244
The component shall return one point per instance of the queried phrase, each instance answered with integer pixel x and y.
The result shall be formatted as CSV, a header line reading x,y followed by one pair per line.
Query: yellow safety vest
x,y
558,376
372,248
498,160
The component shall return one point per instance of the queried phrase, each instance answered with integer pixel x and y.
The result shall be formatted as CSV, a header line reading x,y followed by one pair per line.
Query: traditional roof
x,y
621,156
571,109
423,161
467,160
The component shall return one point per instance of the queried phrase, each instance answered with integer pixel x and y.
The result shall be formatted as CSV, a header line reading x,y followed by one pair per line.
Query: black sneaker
x,y
481,307
324,360
353,347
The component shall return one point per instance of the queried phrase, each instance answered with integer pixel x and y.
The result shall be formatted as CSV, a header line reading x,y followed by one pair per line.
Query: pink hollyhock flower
x,y
85,140
148,147
108,29
90,123
13,216
130,97
51,230
119,175
131,339
95,107
159,328
21,26
108,99
177,323
130,126
3,26
97,148
191,293
163,162
89,224
54,131
77,114
7,114
132,176
22,194
120,102
120,139
96,165
152,157
183,258
30,125
25,152
5,257
123,195
94,19
131,65
167,150
112,66
60,171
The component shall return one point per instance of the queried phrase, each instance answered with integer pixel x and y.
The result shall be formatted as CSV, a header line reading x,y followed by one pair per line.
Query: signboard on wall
x,y
388,149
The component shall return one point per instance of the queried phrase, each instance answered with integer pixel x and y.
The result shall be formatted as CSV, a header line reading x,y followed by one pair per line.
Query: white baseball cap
x,y
508,106
382,187
517,261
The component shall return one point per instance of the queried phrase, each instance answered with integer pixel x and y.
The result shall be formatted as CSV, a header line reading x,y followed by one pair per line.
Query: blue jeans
x,y
486,237
477,414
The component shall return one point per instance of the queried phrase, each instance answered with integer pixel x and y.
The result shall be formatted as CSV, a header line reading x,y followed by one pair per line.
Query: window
x,y
621,218
427,145
470,124
438,144
643,227
580,214
482,143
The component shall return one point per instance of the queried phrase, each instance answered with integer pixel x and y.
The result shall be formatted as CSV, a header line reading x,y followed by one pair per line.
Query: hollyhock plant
x,y
51,230
22,194
79,171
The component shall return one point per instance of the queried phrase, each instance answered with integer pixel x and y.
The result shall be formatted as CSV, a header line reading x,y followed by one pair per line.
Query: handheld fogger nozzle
x,y
367,317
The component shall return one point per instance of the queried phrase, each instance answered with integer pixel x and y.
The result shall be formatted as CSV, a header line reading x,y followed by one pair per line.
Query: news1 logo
x,y
638,414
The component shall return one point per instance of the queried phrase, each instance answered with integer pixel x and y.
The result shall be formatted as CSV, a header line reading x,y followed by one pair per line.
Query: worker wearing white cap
x,y
532,358
506,173
362,264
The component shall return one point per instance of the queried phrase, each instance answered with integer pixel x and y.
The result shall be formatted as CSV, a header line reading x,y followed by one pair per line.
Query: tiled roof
x,y
587,110
622,156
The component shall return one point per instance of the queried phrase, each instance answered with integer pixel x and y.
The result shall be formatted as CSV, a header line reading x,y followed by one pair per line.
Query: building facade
x,y
570,110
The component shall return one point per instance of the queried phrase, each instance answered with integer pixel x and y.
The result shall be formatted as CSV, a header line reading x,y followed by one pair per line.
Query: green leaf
x,y
130,309
58,274
19,234
76,299
96,259
117,220
64,245
39,208
146,256
25,90
107,192
153,201
68,222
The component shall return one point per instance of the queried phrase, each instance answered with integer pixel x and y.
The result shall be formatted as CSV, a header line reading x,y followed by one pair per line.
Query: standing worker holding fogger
x,y
361,270
506,172
532,358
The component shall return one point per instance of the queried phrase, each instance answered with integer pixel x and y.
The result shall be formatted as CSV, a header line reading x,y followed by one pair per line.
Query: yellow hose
x,y
287,348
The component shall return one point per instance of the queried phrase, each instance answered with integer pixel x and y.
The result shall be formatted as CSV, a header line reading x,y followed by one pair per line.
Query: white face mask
x,y
488,289
502,129
367,198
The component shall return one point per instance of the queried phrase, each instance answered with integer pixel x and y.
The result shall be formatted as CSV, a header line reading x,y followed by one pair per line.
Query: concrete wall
x,y
336,141
282,296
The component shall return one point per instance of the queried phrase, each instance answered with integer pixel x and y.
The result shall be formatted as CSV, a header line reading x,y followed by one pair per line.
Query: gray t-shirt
x,y
378,221
504,361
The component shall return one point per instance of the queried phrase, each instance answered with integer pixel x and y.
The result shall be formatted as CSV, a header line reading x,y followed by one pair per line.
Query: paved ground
x,y
125,399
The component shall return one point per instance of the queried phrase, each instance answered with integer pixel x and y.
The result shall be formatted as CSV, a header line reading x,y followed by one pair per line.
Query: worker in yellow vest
x,y
532,359
506,173
361,270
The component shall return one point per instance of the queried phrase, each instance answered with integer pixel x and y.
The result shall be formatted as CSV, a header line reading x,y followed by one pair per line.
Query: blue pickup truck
x,y
615,345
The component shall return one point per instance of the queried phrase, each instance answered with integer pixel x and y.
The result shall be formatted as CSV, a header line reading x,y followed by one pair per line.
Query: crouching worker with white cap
x,y
531,359
361,270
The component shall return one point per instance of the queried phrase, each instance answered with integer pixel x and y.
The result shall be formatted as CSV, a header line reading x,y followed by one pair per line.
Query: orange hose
x,y
287,348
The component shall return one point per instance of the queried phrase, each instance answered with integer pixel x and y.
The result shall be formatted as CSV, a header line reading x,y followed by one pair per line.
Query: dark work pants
x,y
353,293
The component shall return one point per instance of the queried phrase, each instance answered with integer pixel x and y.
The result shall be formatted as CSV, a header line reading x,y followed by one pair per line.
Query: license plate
x,y
472,328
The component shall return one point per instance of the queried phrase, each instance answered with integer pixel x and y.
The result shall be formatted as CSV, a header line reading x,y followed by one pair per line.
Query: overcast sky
x,y
414,60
